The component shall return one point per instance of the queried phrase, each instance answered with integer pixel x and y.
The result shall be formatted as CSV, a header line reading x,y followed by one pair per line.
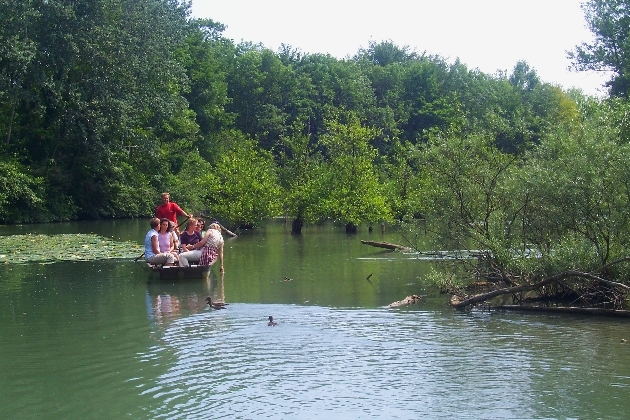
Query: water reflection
x,y
168,300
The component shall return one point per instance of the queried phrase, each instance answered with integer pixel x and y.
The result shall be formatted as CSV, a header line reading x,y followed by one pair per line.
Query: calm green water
x,y
104,340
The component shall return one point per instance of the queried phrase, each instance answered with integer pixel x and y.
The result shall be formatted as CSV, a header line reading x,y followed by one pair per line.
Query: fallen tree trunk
x,y
460,303
566,310
385,245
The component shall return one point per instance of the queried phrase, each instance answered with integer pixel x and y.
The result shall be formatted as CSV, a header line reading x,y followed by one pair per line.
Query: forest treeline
x,y
105,104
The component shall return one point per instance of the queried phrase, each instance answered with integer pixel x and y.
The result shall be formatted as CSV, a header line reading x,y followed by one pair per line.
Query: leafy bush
x,y
21,194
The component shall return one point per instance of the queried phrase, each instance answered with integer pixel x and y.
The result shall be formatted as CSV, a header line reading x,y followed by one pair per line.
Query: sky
x,y
489,35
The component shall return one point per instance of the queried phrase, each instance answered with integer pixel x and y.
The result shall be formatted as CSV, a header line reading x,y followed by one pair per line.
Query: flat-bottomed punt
x,y
176,272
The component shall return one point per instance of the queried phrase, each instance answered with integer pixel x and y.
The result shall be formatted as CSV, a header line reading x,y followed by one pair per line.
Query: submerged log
x,y
566,310
385,245
409,300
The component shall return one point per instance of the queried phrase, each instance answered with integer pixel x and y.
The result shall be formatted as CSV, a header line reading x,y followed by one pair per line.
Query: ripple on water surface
x,y
340,364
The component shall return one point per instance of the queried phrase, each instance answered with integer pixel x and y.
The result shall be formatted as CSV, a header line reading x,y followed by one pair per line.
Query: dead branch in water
x,y
385,245
467,301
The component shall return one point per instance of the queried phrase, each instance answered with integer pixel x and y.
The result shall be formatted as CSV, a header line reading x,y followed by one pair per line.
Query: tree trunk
x,y
296,226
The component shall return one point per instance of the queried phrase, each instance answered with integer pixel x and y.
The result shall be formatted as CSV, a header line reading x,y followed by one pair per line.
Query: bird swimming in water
x,y
272,323
215,305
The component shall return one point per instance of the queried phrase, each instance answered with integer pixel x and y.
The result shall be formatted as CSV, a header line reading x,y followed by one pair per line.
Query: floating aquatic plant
x,y
17,249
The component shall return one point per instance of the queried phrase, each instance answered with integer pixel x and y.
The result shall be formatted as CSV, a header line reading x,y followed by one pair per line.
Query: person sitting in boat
x,y
201,226
170,210
211,246
152,253
172,228
190,237
165,238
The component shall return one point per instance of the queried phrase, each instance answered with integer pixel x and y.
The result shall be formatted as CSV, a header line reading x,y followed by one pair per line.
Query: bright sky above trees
x,y
489,35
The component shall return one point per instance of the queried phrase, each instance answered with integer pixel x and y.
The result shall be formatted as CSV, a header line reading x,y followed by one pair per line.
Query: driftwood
x,y
385,245
409,300
467,301
566,310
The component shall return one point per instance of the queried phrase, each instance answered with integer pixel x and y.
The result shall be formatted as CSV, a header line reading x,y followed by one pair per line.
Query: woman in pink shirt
x,y
165,238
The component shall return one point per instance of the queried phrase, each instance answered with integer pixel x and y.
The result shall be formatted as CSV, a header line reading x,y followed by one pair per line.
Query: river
x,y
107,340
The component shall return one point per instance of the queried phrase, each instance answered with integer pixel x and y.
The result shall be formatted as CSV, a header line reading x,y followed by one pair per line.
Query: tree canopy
x,y
609,21
107,104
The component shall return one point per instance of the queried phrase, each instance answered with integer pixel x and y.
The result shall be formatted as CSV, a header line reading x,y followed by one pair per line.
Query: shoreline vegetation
x,y
138,98
570,292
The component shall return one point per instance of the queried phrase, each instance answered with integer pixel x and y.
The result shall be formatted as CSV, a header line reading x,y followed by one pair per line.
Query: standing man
x,y
170,210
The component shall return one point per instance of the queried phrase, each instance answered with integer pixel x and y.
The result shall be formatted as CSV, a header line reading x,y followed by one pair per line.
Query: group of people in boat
x,y
165,245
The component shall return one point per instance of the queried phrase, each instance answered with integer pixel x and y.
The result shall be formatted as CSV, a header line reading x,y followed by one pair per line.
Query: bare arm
x,y
181,212
221,257
155,245
203,241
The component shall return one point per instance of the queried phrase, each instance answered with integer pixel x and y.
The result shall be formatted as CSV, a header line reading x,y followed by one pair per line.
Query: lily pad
x,y
19,249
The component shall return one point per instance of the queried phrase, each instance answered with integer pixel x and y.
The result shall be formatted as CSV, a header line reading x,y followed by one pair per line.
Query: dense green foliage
x,y
106,104
609,21
565,201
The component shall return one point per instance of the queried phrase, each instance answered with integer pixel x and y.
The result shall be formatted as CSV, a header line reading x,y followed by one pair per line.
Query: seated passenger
x,y
152,253
191,235
189,238
165,238
172,229
201,225
211,246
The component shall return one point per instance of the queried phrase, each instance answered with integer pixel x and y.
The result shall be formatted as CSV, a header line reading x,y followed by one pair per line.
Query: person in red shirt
x,y
170,210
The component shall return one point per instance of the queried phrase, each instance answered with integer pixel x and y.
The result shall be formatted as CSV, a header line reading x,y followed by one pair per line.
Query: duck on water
x,y
216,305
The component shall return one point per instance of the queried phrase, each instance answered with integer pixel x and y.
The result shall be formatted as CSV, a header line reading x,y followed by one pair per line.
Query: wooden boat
x,y
176,272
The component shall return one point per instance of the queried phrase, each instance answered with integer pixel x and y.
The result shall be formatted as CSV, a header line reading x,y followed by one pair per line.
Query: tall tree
x,y
104,81
268,95
428,102
355,194
244,189
385,53
17,51
609,21
336,84
300,174
207,57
